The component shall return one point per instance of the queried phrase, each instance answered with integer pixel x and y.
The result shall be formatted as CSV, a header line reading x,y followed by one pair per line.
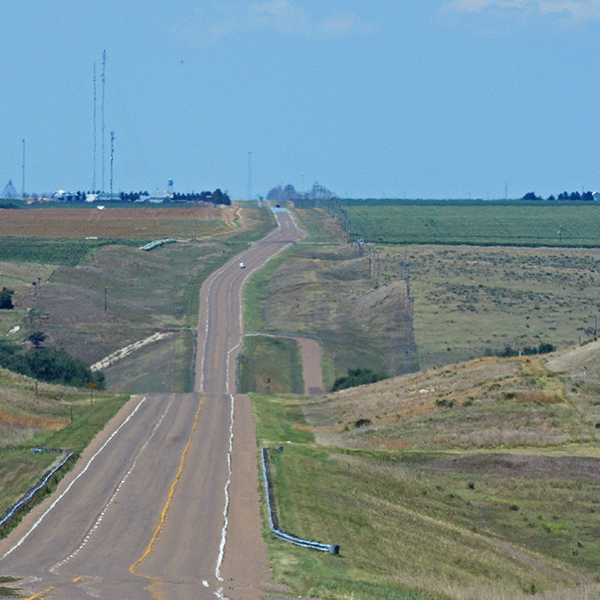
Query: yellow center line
x,y
78,578
163,517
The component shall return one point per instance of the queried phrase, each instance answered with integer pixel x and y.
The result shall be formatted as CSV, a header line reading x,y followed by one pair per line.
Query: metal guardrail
x,y
151,245
34,490
274,520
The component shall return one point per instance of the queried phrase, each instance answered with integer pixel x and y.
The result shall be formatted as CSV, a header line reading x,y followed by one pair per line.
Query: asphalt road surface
x,y
164,504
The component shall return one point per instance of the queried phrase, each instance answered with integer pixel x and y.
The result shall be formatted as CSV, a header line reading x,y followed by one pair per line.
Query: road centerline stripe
x,y
163,517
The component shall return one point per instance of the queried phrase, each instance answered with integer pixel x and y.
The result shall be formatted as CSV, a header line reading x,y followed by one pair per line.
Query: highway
x,y
164,504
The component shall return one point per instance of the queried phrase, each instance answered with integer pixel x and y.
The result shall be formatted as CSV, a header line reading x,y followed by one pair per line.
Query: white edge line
x,y
35,525
219,592
214,276
95,526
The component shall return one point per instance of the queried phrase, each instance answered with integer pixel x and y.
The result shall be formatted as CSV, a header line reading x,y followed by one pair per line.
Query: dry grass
x,y
472,298
32,422
23,413
574,361
483,403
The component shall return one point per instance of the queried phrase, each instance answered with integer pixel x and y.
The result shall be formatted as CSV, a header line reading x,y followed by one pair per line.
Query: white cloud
x,y
279,16
576,10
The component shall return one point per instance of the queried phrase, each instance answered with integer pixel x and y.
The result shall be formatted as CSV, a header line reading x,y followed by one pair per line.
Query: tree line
x,y
216,197
54,365
585,196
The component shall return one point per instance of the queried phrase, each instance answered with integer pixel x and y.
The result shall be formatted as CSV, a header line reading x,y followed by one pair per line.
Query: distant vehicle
x,y
242,265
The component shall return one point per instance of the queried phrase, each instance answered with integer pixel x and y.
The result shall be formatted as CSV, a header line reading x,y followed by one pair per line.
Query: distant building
x,y
9,191
596,196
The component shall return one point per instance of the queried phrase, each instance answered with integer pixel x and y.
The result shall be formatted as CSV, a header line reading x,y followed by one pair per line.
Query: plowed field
x,y
112,222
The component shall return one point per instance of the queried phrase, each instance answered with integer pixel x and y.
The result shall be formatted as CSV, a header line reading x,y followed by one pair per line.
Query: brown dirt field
x,y
140,222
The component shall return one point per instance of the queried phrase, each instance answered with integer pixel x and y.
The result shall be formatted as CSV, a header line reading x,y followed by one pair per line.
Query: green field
x,y
69,252
571,224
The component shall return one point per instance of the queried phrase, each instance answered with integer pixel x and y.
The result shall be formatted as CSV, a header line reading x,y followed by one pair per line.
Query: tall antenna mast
x,y
95,102
102,111
112,158
249,175
23,173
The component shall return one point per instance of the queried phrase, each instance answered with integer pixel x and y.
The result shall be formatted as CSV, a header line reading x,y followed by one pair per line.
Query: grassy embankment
x,y
474,482
55,417
477,481
469,298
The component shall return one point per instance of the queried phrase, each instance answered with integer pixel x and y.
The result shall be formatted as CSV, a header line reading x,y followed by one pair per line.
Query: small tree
x,y
37,339
6,299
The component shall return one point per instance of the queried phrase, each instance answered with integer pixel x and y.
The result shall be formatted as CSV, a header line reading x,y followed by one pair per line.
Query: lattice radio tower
x,y
102,114
112,158
95,102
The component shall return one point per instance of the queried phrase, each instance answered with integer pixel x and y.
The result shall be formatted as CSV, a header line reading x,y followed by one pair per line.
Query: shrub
x,y
54,365
355,378
6,302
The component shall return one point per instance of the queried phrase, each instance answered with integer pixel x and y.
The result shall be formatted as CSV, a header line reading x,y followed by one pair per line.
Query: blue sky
x,y
423,99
